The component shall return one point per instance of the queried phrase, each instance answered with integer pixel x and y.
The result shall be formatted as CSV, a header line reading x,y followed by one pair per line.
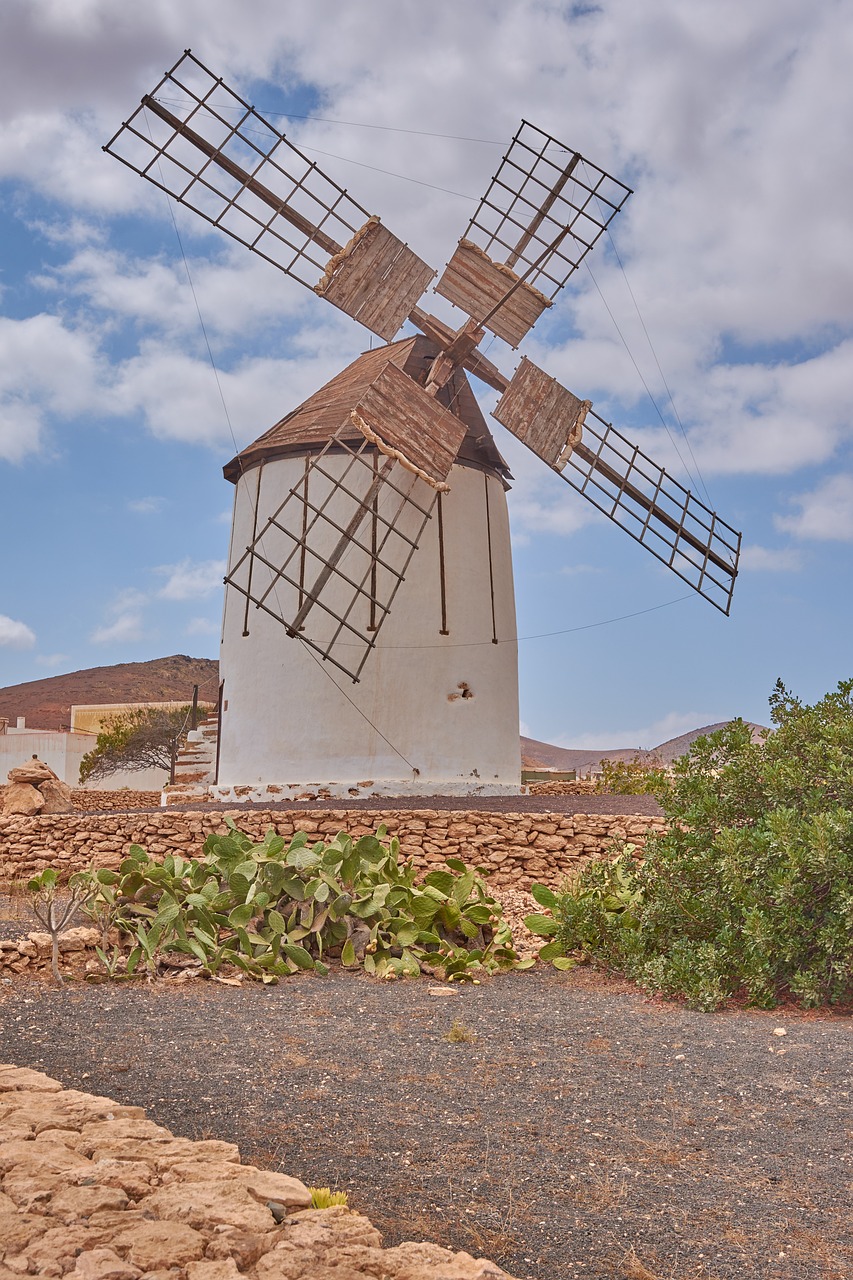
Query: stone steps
x,y
195,766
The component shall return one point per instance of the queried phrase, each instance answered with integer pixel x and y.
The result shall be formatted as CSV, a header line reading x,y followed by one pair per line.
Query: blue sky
x,y
732,124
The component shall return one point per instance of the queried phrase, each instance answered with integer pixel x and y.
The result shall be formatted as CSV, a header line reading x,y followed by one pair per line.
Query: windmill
x,y
368,641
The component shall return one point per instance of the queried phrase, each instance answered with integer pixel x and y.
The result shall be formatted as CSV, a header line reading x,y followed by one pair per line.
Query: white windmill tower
x,y
368,642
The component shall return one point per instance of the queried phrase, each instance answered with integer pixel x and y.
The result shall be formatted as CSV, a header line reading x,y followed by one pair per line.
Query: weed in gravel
x,y
459,1033
326,1198
631,1268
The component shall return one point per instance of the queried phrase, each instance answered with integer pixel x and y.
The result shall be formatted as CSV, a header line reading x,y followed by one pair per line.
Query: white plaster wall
x,y
293,722
63,752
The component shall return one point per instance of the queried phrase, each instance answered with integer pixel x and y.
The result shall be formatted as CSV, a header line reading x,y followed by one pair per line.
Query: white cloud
x,y
15,634
825,514
146,506
45,369
127,626
672,725
190,580
52,660
126,611
201,627
770,559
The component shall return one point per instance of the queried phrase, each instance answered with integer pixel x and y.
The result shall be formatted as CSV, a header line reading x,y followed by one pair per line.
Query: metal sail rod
x,y
637,495
344,542
543,210
245,179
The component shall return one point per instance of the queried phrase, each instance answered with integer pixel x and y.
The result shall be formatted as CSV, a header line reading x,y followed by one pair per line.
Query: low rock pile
x,y
32,953
34,788
94,1190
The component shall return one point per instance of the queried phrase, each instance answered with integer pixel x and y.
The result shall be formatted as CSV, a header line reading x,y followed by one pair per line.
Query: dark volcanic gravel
x,y
580,1131
458,804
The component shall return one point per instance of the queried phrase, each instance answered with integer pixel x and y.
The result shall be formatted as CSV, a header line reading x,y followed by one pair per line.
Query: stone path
x,y
94,1190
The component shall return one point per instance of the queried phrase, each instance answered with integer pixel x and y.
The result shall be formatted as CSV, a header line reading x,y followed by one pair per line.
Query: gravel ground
x,y
458,804
567,1127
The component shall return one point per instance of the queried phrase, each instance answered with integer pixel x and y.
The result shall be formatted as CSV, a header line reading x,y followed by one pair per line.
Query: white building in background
x,y
63,751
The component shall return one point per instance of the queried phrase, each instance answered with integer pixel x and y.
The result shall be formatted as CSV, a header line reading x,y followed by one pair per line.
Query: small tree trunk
x,y
54,958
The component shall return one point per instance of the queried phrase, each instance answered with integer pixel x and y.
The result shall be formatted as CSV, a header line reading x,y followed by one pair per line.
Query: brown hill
x,y
542,755
47,703
670,750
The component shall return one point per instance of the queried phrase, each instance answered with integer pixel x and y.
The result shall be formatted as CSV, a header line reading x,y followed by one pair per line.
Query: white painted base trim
x,y
277,792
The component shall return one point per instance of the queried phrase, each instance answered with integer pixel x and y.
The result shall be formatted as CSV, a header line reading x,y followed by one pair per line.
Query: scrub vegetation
x,y
749,892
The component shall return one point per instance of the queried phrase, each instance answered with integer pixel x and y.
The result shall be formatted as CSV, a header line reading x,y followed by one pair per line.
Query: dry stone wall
x,y
515,849
95,1190
581,787
87,799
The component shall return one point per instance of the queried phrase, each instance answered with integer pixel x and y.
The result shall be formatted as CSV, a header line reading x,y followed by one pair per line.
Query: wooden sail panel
x,y
542,414
376,279
476,284
405,423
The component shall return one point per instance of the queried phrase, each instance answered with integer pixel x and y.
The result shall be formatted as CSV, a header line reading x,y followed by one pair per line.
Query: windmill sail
x,y
329,560
205,146
622,482
544,210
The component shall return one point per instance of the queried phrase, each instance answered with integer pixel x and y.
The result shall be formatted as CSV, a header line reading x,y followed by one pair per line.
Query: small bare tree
x,y
54,909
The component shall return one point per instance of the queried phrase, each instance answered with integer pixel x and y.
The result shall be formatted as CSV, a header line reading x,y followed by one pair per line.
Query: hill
x,y
543,755
47,703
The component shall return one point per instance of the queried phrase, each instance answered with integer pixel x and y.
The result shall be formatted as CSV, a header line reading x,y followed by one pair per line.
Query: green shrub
x,y
631,777
749,892
270,909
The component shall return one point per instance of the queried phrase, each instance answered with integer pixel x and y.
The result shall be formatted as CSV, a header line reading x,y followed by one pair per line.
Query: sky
x,y
140,350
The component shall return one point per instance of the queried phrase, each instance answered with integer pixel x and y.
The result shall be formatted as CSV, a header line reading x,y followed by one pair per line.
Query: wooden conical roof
x,y
323,414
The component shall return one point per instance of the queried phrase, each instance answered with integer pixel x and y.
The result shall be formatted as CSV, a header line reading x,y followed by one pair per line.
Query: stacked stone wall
x,y
580,787
87,799
515,849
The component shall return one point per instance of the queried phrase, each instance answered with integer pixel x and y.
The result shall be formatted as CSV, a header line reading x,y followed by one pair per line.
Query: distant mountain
x,y
675,747
47,703
542,755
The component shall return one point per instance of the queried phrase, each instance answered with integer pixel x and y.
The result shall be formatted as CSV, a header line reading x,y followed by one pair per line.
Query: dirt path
x,y
578,1123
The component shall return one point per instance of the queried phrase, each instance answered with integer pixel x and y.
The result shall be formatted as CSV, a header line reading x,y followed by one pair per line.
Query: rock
x,y
163,1154
35,772
245,1247
208,1204
57,796
262,1184
104,1264
222,1270
32,1081
160,1244
21,797
132,1176
18,1229
79,938
82,1202
93,1134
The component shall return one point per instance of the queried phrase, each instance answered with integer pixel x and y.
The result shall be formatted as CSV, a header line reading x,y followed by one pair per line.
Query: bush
x,y
631,777
271,909
749,892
